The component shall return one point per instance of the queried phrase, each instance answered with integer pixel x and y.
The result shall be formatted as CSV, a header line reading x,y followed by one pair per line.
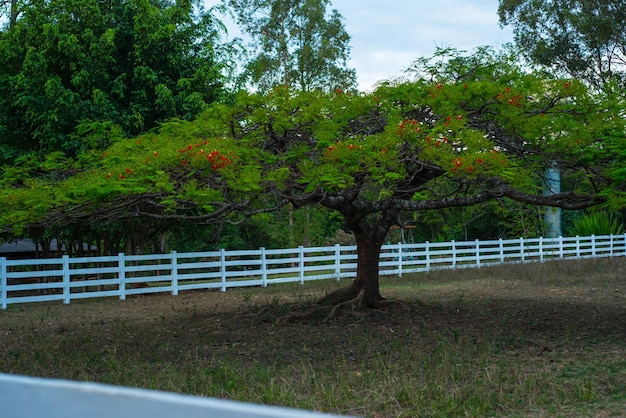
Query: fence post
x,y
521,249
121,265
427,255
541,249
593,245
174,272
301,263
338,261
577,246
477,253
611,244
263,267
561,255
453,253
223,269
66,279
400,266
3,282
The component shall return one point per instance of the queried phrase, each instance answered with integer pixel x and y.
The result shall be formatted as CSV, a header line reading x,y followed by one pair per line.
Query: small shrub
x,y
597,223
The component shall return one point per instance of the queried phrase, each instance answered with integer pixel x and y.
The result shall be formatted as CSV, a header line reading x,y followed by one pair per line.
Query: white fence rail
x,y
65,278
32,397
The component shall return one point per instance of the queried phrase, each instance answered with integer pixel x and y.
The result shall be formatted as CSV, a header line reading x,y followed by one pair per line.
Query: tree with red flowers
x,y
474,130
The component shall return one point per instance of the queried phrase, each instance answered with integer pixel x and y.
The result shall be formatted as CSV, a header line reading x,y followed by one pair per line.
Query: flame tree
x,y
473,130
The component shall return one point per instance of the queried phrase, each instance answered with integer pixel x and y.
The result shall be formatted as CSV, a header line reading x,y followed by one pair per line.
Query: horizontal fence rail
x,y
65,278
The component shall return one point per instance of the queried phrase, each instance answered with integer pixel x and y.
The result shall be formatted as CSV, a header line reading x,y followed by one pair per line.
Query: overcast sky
x,y
388,35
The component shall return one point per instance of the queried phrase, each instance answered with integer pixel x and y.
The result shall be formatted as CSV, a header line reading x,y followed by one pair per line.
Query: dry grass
x,y
519,340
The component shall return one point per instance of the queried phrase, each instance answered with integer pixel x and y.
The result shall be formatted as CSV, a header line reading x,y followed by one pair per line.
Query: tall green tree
x,y
583,38
477,129
135,63
295,43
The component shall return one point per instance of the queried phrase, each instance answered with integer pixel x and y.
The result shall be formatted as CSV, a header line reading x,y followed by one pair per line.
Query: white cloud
x,y
387,36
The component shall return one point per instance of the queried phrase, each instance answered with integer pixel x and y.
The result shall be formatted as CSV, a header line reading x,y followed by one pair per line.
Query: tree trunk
x,y
366,281
13,13
364,291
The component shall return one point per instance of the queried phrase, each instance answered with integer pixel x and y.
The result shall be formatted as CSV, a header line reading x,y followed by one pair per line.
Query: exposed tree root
x,y
348,293
301,316
346,300
354,307
356,304
343,294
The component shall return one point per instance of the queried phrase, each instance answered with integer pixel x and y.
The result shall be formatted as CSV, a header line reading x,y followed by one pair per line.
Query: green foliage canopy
x,y
452,141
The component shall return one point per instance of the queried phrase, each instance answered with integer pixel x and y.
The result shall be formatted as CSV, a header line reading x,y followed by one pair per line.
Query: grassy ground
x,y
535,340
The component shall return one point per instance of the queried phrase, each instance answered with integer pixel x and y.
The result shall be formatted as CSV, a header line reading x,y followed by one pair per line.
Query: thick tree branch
x,y
566,200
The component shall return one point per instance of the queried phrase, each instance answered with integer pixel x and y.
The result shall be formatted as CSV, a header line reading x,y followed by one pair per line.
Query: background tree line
x,y
130,63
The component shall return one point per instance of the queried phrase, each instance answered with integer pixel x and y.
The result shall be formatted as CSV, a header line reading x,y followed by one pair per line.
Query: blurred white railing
x,y
31,397
65,278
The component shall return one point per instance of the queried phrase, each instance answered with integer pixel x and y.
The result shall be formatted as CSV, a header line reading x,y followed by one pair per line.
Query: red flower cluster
x,y
516,100
332,149
437,142
125,174
449,119
215,159
458,164
512,99
438,87
409,126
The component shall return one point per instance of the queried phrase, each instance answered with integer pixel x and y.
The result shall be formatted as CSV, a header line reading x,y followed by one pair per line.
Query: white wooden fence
x,y
65,278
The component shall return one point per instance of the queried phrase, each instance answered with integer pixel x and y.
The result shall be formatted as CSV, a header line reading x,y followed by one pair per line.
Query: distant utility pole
x,y
552,216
